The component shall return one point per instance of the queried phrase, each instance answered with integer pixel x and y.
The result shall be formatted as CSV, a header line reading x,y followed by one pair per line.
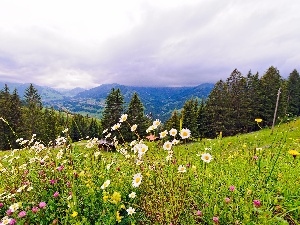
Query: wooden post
x,y
275,112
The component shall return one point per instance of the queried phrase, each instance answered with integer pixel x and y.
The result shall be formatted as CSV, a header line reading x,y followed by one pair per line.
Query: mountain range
x,y
159,101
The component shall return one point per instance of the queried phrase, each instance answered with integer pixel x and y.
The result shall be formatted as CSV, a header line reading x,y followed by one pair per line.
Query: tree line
x,y
231,108
23,118
234,104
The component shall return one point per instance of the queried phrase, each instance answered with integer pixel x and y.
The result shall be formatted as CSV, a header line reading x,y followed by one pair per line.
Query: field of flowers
x,y
246,179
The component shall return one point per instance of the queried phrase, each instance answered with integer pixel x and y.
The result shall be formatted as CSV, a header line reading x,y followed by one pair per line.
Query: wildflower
x,y
123,118
206,157
294,153
104,131
255,157
116,126
12,221
258,120
9,212
151,137
74,214
1,205
22,214
256,203
227,200
137,179
133,127
232,188
96,154
163,134
167,146
118,217
199,213
169,157
181,169
185,133
60,168
65,130
14,207
132,195
105,184
156,123
173,132
108,135
42,205
175,142
216,219
116,197
35,209
89,145
5,220
130,210
56,194
53,181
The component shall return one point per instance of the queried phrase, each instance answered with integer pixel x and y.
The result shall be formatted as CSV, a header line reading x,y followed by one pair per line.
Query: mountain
x,y
47,93
159,101
70,93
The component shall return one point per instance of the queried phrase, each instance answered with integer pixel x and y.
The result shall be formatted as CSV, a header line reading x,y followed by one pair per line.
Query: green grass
x,y
257,166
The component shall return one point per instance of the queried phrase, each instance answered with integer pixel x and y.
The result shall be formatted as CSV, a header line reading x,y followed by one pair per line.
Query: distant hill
x,y
159,101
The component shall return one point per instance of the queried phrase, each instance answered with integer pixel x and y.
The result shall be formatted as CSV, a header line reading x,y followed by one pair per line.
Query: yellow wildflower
x,y
105,197
74,214
118,217
258,120
116,197
294,153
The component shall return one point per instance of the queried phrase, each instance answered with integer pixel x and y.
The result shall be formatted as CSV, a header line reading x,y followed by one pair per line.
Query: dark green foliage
x,y
113,108
293,94
189,116
136,116
271,81
11,123
173,122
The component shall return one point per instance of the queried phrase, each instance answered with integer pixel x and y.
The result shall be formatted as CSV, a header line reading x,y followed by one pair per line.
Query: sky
x,y
86,43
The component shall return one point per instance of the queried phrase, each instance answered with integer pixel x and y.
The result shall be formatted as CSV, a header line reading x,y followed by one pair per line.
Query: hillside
x,y
159,101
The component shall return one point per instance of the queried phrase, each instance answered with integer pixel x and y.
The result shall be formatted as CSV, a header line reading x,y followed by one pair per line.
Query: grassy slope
x,y
166,196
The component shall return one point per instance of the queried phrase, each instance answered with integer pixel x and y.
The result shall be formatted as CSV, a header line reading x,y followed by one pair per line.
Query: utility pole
x,y
275,112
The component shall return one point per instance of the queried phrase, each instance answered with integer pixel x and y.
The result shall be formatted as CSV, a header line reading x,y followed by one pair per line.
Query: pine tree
x,y
216,109
173,121
271,81
136,116
32,112
293,94
189,116
113,109
236,111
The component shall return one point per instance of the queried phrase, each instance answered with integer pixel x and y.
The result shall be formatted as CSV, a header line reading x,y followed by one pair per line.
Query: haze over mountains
x,y
159,101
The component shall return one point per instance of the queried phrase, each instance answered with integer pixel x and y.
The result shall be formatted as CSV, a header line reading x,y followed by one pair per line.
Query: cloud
x,y
147,43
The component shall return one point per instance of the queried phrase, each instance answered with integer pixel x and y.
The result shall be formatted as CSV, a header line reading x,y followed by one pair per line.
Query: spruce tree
x,y
189,116
271,81
136,116
293,94
113,109
32,112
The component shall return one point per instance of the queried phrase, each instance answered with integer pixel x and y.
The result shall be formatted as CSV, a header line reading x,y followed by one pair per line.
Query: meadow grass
x,y
251,179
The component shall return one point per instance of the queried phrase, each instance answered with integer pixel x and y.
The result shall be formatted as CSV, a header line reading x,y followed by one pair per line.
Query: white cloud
x,y
134,42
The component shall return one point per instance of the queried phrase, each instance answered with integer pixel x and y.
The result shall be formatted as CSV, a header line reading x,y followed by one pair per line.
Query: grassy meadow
x,y
245,179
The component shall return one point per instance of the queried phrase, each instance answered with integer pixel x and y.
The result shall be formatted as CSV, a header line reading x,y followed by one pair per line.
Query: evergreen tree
x,y
136,116
271,81
202,120
253,103
216,109
173,121
236,110
113,109
94,129
293,94
189,116
32,112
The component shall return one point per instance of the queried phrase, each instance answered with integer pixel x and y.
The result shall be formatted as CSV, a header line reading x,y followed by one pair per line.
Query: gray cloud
x,y
179,46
